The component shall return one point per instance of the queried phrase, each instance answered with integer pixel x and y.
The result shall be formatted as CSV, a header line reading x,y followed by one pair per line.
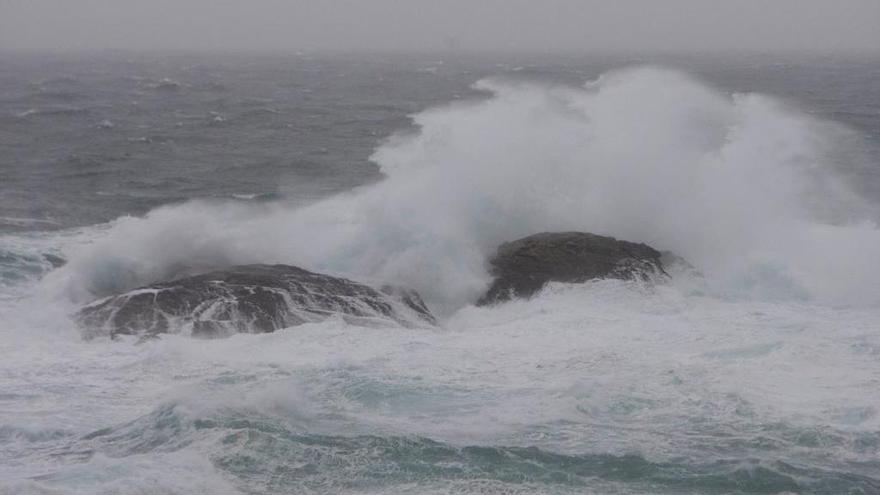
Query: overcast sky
x,y
427,25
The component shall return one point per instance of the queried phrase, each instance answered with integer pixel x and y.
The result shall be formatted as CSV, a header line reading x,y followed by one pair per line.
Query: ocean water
x,y
756,371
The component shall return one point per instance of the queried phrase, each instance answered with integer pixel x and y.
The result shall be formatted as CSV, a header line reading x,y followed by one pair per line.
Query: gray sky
x,y
420,25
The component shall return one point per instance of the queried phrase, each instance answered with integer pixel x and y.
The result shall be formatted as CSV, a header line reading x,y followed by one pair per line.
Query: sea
x,y
755,369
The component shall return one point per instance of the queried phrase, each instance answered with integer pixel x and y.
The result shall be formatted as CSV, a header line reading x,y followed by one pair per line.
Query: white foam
x,y
607,367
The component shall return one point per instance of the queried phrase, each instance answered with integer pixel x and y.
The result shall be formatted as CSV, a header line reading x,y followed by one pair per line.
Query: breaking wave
x,y
743,186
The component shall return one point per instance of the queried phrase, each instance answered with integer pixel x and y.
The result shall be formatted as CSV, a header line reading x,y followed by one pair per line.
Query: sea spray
x,y
740,185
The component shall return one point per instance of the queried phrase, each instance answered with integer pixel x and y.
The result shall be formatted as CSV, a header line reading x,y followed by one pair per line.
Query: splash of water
x,y
740,185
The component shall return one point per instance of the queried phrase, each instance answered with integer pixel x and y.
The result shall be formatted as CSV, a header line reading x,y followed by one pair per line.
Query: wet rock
x,y
55,261
522,267
249,299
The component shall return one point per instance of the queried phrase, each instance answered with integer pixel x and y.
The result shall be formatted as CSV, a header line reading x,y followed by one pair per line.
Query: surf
x,y
743,186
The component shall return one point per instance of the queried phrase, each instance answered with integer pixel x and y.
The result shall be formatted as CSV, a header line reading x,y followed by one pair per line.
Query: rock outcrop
x,y
249,299
522,267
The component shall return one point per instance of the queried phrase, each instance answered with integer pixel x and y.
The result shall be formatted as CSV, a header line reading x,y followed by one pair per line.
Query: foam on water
x,y
609,381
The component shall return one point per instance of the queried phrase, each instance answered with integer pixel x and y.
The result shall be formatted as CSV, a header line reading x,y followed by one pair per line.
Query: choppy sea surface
x,y
757,371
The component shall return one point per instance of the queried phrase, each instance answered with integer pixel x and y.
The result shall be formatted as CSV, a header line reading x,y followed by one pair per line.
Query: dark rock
x,y
55,261
522,267
249,299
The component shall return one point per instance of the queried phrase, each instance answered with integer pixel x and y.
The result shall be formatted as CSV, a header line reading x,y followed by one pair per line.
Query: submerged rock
x,y
249,299
522,267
